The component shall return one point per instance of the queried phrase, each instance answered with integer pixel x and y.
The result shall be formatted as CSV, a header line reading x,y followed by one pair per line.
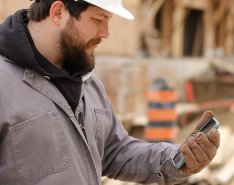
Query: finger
x,y
206,145
199,153
189,158
214,137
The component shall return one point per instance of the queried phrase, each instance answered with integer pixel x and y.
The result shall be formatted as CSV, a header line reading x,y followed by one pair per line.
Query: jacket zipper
x,y
81,123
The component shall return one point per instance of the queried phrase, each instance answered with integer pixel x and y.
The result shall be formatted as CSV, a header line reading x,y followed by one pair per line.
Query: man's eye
x,y
98,21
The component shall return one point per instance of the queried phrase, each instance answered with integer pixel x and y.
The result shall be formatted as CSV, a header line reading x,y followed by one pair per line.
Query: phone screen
x,y
178,157
208,126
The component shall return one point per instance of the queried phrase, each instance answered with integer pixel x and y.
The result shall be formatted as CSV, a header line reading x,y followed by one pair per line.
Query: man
x,y
57,126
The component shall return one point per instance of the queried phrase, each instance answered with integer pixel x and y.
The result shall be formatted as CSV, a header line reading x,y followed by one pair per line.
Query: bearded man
x,y
57,126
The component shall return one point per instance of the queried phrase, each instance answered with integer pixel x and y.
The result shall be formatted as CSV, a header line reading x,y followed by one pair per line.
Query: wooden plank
x,y
232,7
229,39
178,30
209,33
151,35
221,35
167,14
152,12
196,4
198,41
223,65
220,11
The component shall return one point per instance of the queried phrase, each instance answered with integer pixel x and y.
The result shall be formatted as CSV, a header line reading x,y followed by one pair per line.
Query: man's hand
x,y
199,150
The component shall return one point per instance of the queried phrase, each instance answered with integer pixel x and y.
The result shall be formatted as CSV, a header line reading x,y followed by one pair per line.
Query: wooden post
x,y
209,33
178,29
195,4
229,40
220,11
167,14
221,28
151,36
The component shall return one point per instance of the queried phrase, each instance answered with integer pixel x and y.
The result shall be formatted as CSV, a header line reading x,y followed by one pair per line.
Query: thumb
x,y
205,117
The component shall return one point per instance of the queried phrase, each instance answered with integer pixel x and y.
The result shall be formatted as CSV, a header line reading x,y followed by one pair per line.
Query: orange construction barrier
x,y
165,96
160,134
161,113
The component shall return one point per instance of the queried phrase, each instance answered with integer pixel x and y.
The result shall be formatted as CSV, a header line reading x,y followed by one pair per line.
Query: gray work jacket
x,y
41,142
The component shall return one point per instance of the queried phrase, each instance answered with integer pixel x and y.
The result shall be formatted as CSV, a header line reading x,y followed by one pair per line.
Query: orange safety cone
x,y
161,113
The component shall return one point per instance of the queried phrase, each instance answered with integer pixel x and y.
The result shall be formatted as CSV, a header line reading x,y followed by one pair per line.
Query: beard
x,y
76,60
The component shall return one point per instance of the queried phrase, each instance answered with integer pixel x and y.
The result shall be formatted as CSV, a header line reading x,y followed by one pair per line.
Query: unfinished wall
x,y
127,80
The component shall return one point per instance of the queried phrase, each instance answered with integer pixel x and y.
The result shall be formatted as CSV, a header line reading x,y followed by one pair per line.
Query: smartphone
x,y
178,160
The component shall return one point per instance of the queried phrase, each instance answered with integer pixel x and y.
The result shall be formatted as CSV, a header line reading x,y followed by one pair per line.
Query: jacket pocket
x,y
103,126
39,146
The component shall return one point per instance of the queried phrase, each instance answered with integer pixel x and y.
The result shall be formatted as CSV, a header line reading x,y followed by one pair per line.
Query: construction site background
x,y
189,44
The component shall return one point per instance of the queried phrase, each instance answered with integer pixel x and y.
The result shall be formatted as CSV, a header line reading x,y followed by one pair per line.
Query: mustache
x,y
94,42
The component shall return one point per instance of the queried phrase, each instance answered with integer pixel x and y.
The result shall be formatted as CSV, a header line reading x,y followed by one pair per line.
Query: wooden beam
x,y
198,41
167,14
154,8
229,40
178,30
196,4
151,35
221,34
232,7
223,65
220,11
209,33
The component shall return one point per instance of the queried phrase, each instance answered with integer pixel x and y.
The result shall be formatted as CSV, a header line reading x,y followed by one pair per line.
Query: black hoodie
x,y
17,45
14,42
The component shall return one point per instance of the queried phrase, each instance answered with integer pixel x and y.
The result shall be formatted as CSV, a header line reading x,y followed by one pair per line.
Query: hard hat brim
x,y
122,12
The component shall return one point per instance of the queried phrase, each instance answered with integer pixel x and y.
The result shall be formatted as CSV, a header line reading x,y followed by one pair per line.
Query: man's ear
x,y
56,11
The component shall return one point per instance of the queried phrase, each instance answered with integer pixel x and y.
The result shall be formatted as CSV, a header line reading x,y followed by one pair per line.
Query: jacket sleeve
x,y
129,159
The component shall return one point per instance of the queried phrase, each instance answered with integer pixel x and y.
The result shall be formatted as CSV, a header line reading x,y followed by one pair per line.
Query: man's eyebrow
x,y
103,15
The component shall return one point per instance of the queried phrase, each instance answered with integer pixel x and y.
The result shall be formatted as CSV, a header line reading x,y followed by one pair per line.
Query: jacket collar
x,y
86,77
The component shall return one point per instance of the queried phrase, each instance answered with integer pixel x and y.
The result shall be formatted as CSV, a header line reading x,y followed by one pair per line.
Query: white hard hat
x,y
113,6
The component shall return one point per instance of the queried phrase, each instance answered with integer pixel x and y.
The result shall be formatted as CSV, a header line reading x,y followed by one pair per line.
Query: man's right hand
x,y
198,149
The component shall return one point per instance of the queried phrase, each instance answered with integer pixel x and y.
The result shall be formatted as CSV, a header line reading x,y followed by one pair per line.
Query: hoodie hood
x,y
14,42
16,46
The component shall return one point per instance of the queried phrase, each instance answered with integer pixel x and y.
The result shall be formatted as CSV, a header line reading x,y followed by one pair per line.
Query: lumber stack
x,y
189,28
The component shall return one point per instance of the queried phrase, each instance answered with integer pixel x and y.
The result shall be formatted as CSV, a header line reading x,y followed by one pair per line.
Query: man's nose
x,y
104,31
